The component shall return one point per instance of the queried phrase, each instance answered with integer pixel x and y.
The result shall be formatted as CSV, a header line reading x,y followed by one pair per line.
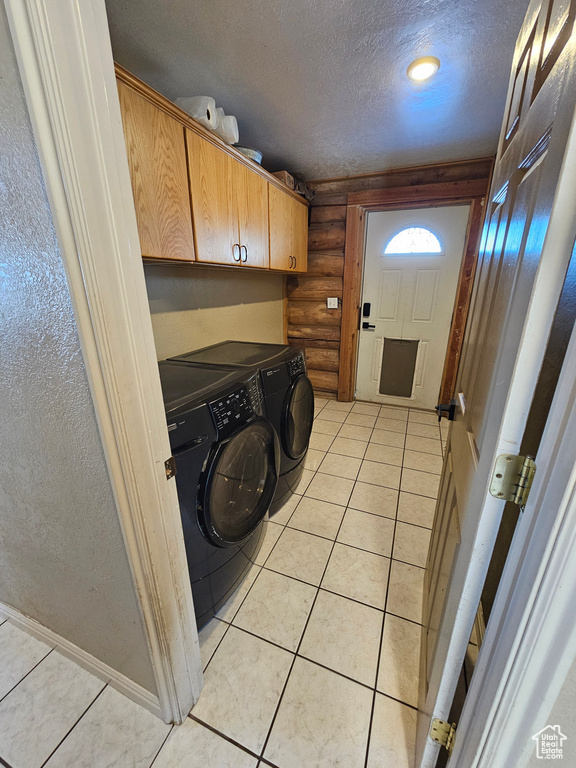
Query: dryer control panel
x,y
231,411
296,365
256,394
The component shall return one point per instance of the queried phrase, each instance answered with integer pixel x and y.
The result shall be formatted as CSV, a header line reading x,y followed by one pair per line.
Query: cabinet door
x,y
288,232
214,208
252,197
157,161
280,205
300,236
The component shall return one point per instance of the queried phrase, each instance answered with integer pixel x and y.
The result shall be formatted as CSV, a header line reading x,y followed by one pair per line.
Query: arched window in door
x,y
413,240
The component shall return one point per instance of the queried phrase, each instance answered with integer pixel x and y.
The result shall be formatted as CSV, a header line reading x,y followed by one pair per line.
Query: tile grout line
x,y
27,673
100,692
162,745
371,719
296,654
229,739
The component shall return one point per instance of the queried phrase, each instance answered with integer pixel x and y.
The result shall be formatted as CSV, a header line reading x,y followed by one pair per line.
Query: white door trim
x,y
65,60
530,640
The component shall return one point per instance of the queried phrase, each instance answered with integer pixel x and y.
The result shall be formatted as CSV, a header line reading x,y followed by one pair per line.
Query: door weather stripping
x,y
512,478
443,733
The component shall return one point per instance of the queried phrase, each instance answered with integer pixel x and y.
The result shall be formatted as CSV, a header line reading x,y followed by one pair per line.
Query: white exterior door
x,y
522,265
411,267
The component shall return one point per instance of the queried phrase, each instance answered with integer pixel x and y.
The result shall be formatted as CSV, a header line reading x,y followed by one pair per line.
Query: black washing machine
x,y
288,398
227,466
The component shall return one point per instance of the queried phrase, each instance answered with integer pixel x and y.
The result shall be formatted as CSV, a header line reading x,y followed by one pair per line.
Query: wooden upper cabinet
x,y
230,207
213,202
252,198
288,232
157,161
197,199
300,235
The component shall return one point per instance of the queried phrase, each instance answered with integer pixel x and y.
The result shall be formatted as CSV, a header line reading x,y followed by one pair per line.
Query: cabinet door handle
x,y
245,259
292,260
236,253
295,262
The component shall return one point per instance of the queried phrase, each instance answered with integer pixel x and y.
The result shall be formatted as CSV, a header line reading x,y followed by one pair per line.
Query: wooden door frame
x,y
65,61
469,192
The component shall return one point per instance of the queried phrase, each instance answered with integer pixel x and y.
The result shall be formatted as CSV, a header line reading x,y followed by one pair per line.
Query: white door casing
x,y
519,279
411,297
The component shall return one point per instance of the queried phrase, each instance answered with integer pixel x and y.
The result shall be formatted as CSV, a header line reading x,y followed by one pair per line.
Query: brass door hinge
x,y
443,733
512,478
170,467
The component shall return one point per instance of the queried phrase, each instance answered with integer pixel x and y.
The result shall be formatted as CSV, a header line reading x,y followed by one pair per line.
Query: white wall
x,y
563,714
62,555
192,306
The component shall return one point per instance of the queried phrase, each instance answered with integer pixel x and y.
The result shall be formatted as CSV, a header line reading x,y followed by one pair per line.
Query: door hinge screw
x,y
444,733
512,478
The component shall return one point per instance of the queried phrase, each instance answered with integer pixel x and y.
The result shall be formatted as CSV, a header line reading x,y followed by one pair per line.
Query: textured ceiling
x,y
321,87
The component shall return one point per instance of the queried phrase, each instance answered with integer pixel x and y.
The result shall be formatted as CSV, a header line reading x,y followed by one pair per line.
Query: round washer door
x,y
297,417
239,484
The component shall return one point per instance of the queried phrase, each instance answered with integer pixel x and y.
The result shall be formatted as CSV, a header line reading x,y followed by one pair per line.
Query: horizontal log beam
x,y
322,359
313,313
314,332
325,213
303,287
327,380
326,263
477,168
321,343
332,198
327,237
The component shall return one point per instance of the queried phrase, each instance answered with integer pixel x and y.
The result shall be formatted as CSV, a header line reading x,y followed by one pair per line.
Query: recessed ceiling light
x,y
424,68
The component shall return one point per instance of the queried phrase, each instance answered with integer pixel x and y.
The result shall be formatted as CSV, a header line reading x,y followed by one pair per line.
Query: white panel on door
x,y
420,374
377,358
390,281
425,296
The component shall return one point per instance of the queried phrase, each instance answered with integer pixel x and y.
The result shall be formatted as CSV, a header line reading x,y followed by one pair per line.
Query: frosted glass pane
x,y
414,240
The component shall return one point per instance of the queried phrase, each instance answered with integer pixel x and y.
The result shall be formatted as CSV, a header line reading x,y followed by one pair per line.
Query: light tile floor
x,y
313,662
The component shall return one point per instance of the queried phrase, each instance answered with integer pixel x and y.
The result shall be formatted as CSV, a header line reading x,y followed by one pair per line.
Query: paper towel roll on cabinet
x,y
227,129
201,108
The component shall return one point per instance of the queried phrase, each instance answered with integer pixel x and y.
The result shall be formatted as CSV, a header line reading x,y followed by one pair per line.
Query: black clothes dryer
x,y
288,398
227,465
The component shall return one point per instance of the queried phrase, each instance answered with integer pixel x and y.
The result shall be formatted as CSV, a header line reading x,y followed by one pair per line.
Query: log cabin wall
x,y
310,323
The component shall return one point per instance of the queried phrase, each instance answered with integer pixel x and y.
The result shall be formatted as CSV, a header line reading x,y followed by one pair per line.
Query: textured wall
x,y
192,307
321,88
62,555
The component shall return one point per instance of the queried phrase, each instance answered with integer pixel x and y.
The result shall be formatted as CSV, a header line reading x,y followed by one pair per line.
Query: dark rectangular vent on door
x,y
398,367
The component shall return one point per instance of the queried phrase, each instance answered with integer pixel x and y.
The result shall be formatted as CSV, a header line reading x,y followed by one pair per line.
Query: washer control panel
x,y
255,393
231,410
296,365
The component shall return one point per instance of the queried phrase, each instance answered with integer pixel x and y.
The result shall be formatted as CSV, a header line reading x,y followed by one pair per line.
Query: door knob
x,y
368,327
448,410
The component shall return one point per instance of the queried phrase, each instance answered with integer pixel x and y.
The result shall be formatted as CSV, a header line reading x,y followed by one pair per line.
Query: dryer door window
x,y
298,417
240,482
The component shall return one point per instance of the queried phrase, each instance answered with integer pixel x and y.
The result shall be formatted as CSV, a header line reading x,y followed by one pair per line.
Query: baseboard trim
x,y
90,663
